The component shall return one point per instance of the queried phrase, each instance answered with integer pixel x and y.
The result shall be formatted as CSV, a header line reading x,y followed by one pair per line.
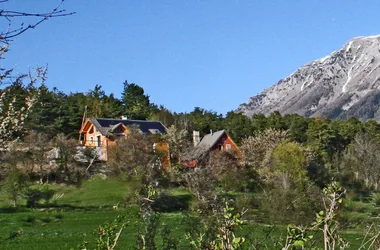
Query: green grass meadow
x,y
75,213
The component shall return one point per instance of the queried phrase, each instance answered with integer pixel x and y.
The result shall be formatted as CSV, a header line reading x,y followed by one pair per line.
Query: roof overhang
x,y
86,126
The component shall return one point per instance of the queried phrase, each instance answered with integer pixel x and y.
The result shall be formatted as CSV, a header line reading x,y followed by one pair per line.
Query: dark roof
x,y
106,126
205,145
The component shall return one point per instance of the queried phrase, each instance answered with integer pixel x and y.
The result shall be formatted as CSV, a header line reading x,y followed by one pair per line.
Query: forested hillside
x,y
291,183
51,111
289,168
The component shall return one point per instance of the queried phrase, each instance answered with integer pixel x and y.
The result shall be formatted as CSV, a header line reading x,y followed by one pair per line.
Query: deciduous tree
x,y
14,184
362,158
178,142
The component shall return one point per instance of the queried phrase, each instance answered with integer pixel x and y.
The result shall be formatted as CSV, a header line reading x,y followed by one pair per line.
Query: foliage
x,y
257,150
136,104
372,238
150,222
38,146
109,234
16,102
290,205
375,199
34,195
80,211
178,142
163,115
200,182
226,238
69,168
134,160
361,159
289,164
14,184
287,161
326,221
200,232
132,155
216,232
147,233
101,105
44,111
238,126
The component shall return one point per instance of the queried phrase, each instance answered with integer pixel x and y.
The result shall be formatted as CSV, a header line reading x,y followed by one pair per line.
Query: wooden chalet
x,y
214,141
102,133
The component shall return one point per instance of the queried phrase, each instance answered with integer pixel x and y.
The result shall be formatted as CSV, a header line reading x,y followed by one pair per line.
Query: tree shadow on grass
x,y
50,207
67,207
169,204
9,210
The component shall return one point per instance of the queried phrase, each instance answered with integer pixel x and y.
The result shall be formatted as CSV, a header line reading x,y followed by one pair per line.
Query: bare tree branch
x,y
6,36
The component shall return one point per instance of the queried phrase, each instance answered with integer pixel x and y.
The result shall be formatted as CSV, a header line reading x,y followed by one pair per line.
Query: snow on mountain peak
x,y
337,85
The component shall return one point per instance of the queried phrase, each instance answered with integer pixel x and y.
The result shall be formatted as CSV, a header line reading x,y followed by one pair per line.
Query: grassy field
x,y
76,212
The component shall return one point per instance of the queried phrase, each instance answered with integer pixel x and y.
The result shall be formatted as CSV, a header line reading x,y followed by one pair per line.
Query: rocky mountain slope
x,y
343,84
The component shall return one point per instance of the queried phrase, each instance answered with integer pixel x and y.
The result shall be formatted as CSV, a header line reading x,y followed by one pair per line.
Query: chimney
x,y
196,138
211,133
124,117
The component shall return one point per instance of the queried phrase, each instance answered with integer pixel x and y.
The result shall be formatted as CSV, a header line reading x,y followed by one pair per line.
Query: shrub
x,y
375,198
35,195
355,206
15,184
250,202
291,205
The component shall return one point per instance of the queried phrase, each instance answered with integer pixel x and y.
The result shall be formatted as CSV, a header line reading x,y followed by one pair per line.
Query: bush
x,y
249,180
241,180
292,206
15,183
375,198
250,202
35,195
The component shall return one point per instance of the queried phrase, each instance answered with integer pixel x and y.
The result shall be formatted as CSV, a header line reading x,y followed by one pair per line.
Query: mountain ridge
x,y
342,84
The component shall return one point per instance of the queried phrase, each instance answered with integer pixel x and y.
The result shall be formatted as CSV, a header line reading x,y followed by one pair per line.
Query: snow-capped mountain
x,y
342,84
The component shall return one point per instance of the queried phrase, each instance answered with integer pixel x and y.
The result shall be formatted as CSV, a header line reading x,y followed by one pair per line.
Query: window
x,y
228,146
220,146
154,131
91,139
118,130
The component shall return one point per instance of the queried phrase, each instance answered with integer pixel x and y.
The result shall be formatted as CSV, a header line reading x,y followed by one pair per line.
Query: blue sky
x,y
185,53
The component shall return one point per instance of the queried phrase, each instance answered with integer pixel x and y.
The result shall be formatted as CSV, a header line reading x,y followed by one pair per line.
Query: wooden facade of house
x,y
102,133
219,140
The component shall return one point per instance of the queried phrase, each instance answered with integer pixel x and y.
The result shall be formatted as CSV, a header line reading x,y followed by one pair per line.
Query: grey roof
x,y
107,126
210,140
205,145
